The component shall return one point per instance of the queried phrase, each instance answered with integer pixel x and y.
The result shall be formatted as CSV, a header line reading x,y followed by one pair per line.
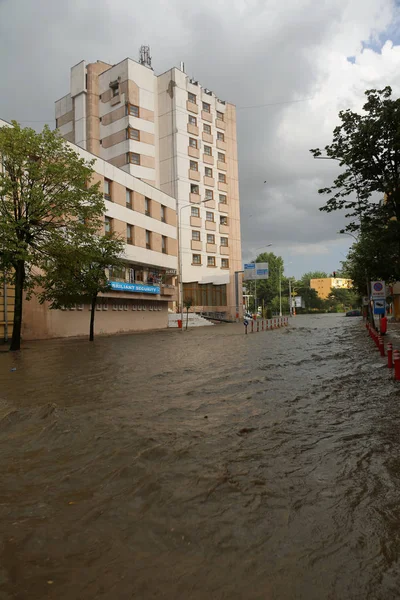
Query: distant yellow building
x,y
323,286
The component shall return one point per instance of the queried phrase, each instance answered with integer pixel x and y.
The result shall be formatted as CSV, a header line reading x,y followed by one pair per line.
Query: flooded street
x,y
203,465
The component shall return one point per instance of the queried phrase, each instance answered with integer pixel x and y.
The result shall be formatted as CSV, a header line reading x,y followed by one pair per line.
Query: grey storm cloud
x,y
283,65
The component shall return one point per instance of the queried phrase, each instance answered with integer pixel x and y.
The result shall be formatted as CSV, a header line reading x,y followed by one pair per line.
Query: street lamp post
x,y
280,290
180,252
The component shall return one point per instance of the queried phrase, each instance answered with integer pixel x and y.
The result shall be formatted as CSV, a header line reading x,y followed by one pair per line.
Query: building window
x,y
222,198
195,235
210,238
225,263
223,220
147,206
132,110
207,128
210,216
128,198
163,213
193,120
224,241
108,225
221,157
210,261
222,177
148,239
209,195
192,97
129,234
196,259
134,158
192,142
208,172
220,115
164,244
208,150
206,107
133,134
194,188
220,136
193,165
195,211
107,190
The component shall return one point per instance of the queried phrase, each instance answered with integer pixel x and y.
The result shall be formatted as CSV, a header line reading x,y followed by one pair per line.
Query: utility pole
x,y
290,297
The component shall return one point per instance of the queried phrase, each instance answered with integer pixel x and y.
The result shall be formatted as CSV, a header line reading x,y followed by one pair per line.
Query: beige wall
x,y
40,322
92,106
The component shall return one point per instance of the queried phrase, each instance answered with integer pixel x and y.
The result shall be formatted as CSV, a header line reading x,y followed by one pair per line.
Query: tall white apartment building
x,y
179,137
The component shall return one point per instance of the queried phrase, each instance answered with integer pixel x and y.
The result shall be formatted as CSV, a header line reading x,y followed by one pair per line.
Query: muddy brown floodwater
x,y
203,465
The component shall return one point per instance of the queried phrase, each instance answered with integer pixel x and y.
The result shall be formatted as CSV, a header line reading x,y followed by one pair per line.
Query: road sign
x,y
378,290
255,271
379,307
245,323
365,300
249,271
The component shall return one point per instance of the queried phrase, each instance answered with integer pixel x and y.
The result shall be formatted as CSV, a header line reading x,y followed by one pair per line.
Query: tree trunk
x,y
92,313
19,280
187,318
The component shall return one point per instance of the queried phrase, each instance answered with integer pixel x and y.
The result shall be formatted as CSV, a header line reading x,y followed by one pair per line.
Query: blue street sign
x,y
379,307
245,323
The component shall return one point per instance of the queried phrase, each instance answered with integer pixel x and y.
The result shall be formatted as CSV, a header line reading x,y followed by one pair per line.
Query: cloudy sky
x,y
289,66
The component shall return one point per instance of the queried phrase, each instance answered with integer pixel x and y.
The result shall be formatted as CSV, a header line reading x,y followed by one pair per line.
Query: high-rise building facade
x,y
179,137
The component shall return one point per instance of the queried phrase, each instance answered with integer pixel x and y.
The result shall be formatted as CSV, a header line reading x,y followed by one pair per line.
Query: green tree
x,y
343,299
268,289
187,303
367,146
76,272
44,196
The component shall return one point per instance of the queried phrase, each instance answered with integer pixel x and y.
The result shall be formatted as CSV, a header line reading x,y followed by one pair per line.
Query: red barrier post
x,y
245,329
262,325
397,365
258,325
381,346
252,326
390,355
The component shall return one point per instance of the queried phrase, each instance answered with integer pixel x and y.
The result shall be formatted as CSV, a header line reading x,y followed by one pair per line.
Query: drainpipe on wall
x,y
5,309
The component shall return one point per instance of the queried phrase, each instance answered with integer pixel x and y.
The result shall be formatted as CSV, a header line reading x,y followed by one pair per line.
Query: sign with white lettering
x,y
378,290
140,288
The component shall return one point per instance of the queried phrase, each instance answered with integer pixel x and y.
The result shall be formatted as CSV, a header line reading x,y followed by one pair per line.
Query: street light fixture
x,y
180,252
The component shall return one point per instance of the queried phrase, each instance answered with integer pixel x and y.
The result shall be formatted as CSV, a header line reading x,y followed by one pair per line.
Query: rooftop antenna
x,y
144,56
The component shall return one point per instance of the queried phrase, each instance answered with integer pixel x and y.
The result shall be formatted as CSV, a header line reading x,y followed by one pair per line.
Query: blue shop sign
x,y
140,288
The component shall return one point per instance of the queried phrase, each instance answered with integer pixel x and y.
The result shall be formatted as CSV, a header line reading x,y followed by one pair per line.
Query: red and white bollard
x,y
381,346
258,325
396,360
252,326
390,355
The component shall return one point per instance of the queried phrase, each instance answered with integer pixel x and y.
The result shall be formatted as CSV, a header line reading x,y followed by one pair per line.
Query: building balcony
x,y
206,116
168,290
224,250
224,229
193,129
196,245
207,137
195,198
221,145
221,166
194,175
209,160
222,207
209,181
211,225
223,187
193,152
220,124
195,221
210,204
211,248
192,107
